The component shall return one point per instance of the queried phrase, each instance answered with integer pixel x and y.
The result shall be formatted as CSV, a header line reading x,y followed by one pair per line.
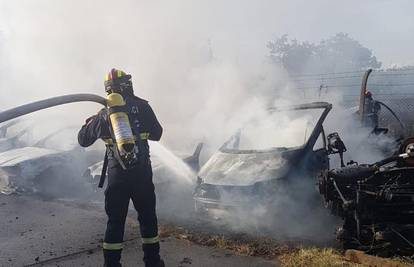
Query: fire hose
x,y
47,103
51,102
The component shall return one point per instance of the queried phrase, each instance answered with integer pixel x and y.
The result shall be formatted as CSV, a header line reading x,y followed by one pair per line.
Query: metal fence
x,y
395,88
401,104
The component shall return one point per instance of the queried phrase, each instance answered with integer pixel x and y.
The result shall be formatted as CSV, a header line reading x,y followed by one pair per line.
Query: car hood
x,y
30,160
244,169
19,155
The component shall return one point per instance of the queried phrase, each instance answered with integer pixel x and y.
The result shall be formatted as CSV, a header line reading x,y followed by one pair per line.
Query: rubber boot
x,y
160,263
152,255
112,258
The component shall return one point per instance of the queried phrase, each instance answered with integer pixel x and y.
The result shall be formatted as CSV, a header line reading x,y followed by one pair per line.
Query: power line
x,y
327,78
400,94
394,74
395,70
391,85
325,86
377,72
328,86
325,74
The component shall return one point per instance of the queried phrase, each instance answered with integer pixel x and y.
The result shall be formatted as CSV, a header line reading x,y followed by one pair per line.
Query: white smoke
x,y
202,65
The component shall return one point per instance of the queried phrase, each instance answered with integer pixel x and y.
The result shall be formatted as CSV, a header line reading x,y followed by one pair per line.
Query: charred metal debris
x,y
376,202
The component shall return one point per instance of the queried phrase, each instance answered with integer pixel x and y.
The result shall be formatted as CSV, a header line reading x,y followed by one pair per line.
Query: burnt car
x,y
263,158
40,170
45,168
375,201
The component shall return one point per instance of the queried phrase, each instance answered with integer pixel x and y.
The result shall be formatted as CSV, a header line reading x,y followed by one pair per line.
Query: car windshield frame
x,y
325,106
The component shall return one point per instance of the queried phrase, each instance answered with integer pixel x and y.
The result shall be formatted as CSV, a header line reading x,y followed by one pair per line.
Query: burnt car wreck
x,y
241,172
376,202
39,168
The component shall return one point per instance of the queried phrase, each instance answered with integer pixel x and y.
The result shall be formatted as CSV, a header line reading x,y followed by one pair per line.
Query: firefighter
x,y
127,182
371,111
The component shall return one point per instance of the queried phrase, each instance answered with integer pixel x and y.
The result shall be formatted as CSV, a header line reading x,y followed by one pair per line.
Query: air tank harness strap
x,y
115,109
104,168
109,141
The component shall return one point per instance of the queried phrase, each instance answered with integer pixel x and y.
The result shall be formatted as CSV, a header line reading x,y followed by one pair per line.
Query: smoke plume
x,y
204,68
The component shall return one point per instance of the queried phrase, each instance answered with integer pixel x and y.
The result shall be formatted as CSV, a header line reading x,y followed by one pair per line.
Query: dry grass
x,y
408,260
289,255
241,245
315,257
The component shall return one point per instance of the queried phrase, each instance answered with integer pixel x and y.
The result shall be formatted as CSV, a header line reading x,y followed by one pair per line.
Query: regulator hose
x,y
47,103
393,113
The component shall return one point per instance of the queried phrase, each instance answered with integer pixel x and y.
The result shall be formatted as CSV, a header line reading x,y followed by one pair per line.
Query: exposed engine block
x,y
376,202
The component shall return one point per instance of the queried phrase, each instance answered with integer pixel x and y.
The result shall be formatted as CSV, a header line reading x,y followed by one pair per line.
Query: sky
x,y
385,26
149,37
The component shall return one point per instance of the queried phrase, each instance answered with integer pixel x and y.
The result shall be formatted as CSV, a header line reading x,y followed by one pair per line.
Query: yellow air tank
x,y
124,138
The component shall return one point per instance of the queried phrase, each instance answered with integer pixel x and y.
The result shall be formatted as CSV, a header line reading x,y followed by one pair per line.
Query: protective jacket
x,y
141,116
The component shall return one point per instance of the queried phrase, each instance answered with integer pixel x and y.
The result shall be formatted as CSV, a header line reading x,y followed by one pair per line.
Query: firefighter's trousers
x,y
123,185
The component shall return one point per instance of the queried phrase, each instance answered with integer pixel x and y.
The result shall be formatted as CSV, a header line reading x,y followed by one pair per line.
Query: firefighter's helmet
x,y
117,81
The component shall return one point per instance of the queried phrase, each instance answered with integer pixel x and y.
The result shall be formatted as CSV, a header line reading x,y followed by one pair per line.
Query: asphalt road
x,y
36,232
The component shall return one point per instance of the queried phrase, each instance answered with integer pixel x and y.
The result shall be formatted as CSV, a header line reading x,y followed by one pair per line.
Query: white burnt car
x,y
40,168
22,168
263,158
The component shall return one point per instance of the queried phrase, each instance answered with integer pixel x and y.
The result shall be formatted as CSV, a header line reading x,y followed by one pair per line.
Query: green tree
x,y
336,54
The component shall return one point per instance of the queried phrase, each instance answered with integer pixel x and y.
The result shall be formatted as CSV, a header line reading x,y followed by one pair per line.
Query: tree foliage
x,y
335,54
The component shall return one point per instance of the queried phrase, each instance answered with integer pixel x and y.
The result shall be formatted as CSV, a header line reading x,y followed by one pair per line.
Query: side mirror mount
x,y
336,146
